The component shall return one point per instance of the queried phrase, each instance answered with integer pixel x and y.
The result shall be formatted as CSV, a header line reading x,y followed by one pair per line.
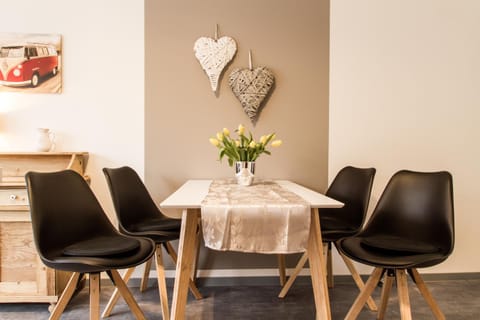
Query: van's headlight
x,y
17,72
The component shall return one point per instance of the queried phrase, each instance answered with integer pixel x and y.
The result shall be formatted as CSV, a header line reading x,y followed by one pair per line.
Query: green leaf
x,y
269,138
243,154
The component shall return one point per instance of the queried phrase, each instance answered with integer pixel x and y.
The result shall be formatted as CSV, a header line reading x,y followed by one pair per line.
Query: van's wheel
x,y
54,71
35,80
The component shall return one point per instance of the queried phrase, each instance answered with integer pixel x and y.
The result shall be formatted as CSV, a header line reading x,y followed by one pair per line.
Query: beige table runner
x,y
262,218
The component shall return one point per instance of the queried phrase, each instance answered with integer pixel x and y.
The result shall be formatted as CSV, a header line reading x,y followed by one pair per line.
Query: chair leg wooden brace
x,y
387,287
94,284
116,295
358,280
403,299
66,296
364,294
128,273
328,259
426,294
191,284
162,285
146,275
126,294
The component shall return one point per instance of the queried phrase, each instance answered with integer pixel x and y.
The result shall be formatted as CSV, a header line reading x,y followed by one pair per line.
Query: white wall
x,y
405,93
101,109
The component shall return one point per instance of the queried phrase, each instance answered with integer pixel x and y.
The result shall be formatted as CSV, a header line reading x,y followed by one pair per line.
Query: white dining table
x,y
188,199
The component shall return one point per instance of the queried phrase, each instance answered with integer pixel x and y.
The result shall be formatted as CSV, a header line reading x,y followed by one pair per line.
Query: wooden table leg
x,y
281,269
317,268
186,252
293,276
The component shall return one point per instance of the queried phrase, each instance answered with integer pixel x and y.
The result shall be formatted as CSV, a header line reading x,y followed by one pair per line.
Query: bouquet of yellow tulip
x,y
243,148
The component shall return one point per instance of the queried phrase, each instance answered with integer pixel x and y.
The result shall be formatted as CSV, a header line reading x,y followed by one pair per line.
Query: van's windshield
x,y
12,52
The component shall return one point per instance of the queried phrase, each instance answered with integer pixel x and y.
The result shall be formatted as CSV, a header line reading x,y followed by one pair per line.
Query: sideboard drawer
x,y
13,197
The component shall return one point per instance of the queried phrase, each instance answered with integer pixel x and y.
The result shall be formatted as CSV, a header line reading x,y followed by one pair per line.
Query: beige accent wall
x,y
405,94
290,38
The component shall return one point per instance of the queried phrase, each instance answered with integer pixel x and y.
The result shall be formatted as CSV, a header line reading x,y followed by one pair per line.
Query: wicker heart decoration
x,y
214,55
251,87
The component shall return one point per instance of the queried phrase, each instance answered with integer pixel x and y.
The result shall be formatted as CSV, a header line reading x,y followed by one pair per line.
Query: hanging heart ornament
x,y
251,87
214,55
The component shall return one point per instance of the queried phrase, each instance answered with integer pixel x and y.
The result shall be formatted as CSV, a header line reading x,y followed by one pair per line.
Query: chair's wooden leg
x,y
387,286
94,284
358,280
281,269
193,287
162,284
126,294
294,275
65,297
364,294
426,294
403,299
325,248
146,275
116,295
329,265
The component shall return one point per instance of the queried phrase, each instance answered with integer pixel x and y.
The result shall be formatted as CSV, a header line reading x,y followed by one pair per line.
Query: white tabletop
x,y
191,194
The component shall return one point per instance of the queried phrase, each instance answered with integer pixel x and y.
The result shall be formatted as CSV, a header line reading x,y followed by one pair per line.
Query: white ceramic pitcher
x,y
45,140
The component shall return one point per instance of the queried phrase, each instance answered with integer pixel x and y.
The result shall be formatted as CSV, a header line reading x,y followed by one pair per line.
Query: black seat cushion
x,y
157,224
398,244
102,246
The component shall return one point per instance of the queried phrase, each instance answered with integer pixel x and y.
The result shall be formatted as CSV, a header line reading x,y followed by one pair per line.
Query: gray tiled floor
x,y
458,299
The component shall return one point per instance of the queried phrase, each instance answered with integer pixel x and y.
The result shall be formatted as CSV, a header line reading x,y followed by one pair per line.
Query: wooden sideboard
x,y
23,277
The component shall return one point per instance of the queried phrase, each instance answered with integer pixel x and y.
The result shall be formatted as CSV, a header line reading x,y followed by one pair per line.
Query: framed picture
x,y
30,62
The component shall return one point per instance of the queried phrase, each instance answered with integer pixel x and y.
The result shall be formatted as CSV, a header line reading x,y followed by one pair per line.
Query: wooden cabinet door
x,y
23,277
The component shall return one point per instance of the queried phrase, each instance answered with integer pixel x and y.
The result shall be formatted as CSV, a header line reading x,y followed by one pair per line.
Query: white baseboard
x,y
225,273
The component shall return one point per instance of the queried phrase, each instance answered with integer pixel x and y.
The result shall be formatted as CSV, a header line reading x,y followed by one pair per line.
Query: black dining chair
x,y
352,186
411,227
72,233
138,215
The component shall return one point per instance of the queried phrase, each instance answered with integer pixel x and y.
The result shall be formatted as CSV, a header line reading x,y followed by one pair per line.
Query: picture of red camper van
x,y
27,64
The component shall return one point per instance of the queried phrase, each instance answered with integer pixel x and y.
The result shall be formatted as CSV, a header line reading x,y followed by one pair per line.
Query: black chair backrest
x,y
417,206
64,210
131,199
352,186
